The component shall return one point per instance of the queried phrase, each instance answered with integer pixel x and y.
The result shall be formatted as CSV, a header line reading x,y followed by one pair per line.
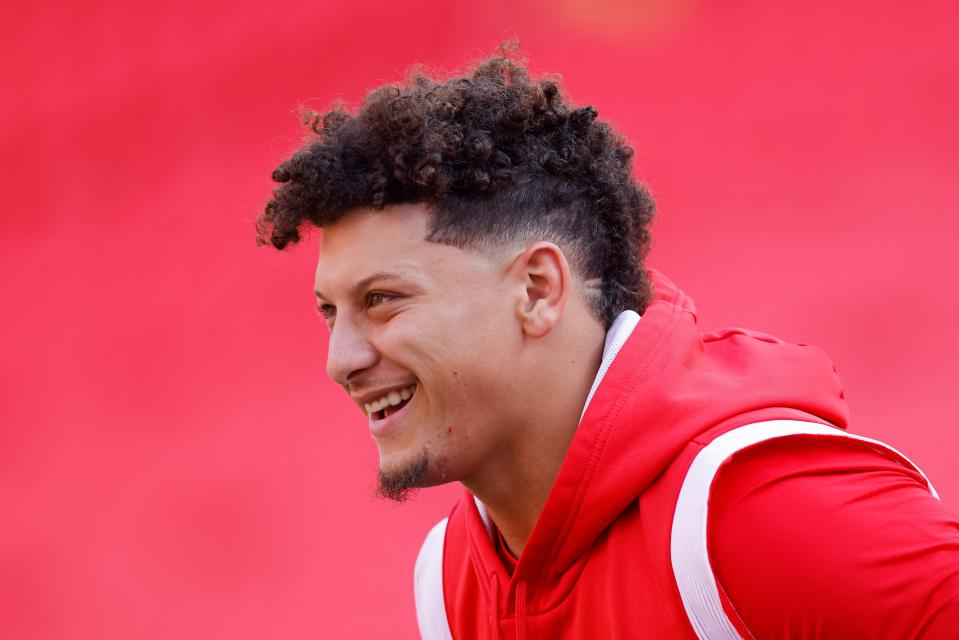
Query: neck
x,y
515,484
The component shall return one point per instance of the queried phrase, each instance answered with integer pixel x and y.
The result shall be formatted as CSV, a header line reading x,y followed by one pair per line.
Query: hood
x,y
667,384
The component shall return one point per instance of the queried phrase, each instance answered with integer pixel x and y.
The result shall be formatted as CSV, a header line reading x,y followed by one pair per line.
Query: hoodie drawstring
x,y
521,610
494,607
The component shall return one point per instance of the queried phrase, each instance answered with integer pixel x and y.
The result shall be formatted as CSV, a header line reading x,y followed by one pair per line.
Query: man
x,y
481,274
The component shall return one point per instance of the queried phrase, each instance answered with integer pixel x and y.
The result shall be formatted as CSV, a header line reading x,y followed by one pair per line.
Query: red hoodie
x,y
605,560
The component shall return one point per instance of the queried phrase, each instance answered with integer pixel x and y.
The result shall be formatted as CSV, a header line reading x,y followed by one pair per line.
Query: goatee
x,y
400,484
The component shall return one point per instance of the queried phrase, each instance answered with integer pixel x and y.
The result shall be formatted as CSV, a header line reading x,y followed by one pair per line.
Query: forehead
x,y
369,241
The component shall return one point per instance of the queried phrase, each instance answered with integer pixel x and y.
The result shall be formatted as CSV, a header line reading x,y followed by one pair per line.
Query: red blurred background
x,y
173,461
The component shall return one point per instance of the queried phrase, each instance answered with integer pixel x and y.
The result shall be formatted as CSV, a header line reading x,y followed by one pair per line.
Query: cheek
x,y
462,365
418,337
470,383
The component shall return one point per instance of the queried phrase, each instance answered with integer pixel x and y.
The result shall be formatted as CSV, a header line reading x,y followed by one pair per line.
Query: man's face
x,y
424,338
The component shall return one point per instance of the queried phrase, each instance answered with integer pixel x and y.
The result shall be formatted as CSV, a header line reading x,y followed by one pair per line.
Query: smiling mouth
x,y
390,403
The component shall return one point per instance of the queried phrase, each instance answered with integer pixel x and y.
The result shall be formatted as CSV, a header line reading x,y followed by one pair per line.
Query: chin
x,y
401,475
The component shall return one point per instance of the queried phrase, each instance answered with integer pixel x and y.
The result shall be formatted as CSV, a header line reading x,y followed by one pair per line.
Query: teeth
x,y
391,399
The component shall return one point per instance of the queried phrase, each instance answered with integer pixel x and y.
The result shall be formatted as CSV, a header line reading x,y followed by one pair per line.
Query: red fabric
x,y
833,539
505,555
597,563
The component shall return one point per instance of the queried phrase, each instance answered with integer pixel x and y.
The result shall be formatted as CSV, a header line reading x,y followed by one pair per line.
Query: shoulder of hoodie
x,y
812,537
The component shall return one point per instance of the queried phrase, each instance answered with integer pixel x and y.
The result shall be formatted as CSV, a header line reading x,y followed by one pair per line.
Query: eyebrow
x,y
362,284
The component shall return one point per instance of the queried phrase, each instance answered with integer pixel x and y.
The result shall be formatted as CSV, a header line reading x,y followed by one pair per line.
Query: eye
x,y
377,297
326,311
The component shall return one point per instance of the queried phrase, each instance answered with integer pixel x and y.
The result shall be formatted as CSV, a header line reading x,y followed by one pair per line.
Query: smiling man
x,y
482,276
408,318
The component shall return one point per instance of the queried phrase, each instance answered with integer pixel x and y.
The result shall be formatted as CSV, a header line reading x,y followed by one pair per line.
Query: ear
x,y
545,282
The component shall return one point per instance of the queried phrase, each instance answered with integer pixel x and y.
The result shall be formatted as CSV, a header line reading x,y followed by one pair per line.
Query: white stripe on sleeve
x,y
688,550
428,586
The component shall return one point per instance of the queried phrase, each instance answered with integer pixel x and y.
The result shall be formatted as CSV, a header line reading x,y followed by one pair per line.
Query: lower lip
x,y
381,428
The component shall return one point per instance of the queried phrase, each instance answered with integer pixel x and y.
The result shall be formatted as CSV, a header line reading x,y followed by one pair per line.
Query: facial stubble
x,y
399,484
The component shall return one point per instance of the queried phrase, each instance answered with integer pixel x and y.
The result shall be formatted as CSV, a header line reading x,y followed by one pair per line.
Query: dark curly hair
x,y
498,157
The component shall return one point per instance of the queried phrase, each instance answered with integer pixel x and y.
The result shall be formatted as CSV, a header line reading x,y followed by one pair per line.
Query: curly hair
x,y
497,157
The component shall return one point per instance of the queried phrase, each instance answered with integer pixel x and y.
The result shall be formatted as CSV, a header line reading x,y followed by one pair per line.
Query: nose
x,y
350,352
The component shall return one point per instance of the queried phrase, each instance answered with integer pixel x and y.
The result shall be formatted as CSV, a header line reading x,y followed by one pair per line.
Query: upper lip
x,y
369,396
